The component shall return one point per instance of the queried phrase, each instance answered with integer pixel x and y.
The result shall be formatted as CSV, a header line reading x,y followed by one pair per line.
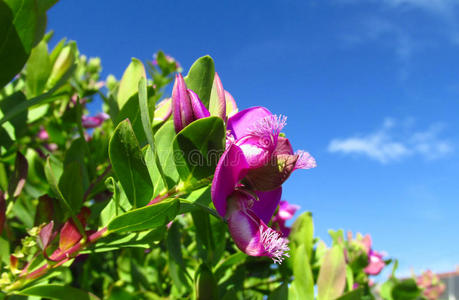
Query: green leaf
x,y
77,153
201,77
18,178
206,286
280,293
302,233
406,290
64,62
144,112
198,147
332,274
71,185
21,27
129,82
40,100
148,217
113,242
177,268
129,166
53,172
164,138
17,125
303,283
55,291
353,295
131,111
38,69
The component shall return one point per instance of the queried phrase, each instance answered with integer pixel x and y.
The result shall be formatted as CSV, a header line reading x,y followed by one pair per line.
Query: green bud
x,y
64,62
206,285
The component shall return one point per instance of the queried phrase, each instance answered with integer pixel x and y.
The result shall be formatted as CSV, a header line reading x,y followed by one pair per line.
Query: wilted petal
x,y
266,204
283,146
199,110
46,235
231,168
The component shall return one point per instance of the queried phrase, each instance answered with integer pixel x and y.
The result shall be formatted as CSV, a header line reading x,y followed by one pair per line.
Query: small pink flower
x,y
42,134
93,122
285,212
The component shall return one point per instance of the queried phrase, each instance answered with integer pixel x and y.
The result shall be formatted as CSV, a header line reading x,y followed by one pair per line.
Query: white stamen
x,y
275,245
305,160
270,126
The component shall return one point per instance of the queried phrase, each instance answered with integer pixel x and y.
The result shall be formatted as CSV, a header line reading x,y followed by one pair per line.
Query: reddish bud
x,y
70,235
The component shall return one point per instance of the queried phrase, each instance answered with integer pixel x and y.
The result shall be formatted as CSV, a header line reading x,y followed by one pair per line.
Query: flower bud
x,y
163,111
217,104
63,63
186,105
70,234
231,107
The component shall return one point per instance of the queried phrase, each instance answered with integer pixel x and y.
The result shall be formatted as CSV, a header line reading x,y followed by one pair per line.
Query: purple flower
x,y
186,105
246,188
285,212
93,122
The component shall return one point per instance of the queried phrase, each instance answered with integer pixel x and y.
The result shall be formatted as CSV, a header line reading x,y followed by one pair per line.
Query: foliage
x,y
119,205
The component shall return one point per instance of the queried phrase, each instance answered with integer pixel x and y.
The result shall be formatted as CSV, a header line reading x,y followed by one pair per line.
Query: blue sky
x,y
370,88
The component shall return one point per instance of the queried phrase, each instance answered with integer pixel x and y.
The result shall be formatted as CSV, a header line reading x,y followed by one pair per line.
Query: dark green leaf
x,y
198,147
20,29
54,291
177,268
201,77
71,185
131,111
352,295
19,121
406,290
129,166
17,180
148,217
280,293
206,285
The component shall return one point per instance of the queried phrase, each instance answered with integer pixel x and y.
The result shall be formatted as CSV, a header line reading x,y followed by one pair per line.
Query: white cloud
x,y
392,142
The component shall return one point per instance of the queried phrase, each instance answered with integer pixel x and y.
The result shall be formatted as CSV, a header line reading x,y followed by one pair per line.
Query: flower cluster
x,y
431,285
247,184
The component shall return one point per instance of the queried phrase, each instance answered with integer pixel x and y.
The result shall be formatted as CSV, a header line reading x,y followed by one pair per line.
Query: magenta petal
x,y
286,210
251,234
375,263
242,123
199,110
181,104
267,204
231,168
